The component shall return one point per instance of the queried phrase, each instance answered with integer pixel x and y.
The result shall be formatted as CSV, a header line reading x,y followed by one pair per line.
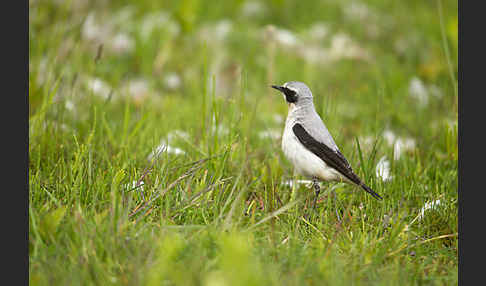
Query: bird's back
x,y
312,122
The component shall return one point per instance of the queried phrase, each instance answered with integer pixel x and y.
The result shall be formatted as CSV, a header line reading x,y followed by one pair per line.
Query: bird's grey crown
x,y
300,88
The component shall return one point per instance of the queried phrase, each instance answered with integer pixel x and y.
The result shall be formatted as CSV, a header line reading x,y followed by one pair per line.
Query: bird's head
x,y
295,92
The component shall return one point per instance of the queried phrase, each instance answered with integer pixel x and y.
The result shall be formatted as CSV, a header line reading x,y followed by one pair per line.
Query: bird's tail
x,y
371,192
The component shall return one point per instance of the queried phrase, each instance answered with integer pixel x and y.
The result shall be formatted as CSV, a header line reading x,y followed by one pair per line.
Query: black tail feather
x,y
370,191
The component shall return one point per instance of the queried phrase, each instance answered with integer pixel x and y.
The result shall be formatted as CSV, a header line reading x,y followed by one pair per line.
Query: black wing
x,y
332,158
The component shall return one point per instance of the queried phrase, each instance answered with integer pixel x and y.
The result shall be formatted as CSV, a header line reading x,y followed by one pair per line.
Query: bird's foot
x,y
317,189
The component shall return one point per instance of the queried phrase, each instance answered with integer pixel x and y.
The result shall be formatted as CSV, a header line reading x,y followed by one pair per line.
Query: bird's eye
x,y
290,95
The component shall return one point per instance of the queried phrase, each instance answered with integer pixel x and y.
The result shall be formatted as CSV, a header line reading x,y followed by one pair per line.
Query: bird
x,y
308,145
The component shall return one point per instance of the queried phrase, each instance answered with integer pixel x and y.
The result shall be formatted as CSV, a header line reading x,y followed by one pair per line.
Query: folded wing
x,y
332,158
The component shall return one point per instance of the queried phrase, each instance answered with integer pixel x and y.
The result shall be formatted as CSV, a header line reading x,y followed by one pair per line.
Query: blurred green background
x,y
112,83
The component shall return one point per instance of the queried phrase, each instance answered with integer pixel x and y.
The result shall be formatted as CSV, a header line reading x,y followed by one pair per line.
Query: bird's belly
x,y
305,162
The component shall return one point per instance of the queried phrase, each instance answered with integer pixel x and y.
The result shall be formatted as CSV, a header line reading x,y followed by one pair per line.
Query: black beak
x,y
279,88
290,95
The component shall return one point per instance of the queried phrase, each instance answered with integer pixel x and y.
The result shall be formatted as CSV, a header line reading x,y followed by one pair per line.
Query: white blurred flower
x,y
401,145
65,127
223,28
165,147
318,31
383,169
69,105
285,37
177,134
151,22
361,206
342,46
175,150
278,118
165,144
451,123
99,88
172,81
216,32
133,185
428,206
138,89
357,10
281,36
111,32
93,31
273,134
253,9
418,90
220,129
389,136
121,43
314,54
158,21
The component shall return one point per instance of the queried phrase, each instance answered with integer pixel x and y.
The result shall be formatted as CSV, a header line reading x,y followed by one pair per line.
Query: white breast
x,y
303,160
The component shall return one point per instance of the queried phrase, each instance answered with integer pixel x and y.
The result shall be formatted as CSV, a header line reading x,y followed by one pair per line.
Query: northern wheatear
x,y
309,146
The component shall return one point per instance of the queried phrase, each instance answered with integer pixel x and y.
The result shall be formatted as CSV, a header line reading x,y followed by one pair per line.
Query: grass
x,y
215,207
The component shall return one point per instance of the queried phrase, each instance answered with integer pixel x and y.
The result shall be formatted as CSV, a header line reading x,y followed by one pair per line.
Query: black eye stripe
x,y
289,92
290,95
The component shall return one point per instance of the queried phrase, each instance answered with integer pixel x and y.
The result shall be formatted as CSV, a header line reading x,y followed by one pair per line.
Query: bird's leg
x,y
317,189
